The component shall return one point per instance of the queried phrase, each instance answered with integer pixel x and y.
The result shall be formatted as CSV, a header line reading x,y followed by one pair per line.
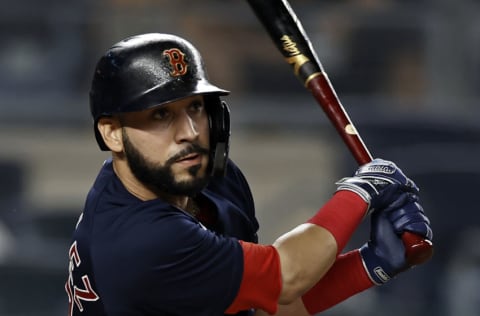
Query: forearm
x,y
283,272
306,253
346,278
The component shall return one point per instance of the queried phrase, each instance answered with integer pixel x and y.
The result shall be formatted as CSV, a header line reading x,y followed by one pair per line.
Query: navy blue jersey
x,y
134,257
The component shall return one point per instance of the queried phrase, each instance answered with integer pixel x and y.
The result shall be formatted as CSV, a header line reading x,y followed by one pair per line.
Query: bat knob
x,y
417,249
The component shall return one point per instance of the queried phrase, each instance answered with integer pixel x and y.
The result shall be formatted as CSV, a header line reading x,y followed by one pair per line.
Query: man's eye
x,y
196,106
161,114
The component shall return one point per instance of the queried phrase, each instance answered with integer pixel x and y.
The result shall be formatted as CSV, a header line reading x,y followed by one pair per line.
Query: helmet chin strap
x,y
219,138
220,157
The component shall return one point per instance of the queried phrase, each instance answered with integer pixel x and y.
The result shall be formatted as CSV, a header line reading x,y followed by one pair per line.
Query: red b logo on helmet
x,y
177,59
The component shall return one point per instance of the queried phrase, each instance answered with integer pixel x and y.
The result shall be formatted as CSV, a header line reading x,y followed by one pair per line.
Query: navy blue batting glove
x,y
380,183
384,254
409,218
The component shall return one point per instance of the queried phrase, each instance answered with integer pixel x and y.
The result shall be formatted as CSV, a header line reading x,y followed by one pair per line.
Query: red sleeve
x,y
341,215
261,282
347,277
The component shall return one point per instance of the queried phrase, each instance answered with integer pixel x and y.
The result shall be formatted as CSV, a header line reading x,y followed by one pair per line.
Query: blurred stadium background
x,y
407,71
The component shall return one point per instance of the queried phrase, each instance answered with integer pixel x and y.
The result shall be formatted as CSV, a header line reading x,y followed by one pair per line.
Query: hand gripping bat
x,y
287,33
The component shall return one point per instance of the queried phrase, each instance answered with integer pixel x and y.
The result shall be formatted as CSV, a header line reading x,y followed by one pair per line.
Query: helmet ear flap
x,y
219,119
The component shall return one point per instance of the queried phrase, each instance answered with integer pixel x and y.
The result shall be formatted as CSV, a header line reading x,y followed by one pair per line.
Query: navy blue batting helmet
x,y
148,70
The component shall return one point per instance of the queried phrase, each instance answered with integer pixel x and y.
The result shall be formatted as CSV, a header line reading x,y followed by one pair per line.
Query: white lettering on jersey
x,y
75,293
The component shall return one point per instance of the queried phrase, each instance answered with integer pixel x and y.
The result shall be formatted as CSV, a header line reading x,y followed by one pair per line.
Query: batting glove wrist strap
x,y
374,266
383,173
383,255
361,187
380,183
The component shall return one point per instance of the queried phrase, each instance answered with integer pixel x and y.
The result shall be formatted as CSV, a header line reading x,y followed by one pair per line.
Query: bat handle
x,y
417,249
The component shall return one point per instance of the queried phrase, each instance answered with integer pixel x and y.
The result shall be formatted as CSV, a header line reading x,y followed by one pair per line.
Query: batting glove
x,y
380,183
384,254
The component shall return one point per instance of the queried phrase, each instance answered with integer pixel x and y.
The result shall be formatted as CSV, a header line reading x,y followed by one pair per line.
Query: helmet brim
x,y
157,96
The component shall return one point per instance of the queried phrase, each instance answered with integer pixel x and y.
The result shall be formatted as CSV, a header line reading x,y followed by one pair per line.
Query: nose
x,y
186,129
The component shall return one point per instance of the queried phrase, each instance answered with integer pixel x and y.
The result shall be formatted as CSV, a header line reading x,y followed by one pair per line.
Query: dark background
x,y
407,72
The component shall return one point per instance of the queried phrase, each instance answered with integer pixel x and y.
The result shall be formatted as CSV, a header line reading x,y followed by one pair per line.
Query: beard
x,y
161,178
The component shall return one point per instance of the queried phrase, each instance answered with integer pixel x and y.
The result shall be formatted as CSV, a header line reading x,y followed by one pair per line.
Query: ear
x,y
111,131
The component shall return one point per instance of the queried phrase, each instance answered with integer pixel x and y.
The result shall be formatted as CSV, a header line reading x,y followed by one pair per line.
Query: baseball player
x,y
169,226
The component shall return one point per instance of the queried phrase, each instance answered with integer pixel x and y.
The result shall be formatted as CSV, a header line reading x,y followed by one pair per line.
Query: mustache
x,y
192,149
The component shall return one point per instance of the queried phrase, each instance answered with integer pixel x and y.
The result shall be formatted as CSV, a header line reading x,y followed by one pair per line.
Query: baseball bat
x,y
288,34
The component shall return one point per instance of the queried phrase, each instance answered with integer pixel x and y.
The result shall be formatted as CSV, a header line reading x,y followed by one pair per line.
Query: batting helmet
x,y
148,70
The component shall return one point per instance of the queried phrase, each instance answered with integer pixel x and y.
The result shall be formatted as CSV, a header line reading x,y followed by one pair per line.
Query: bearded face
x,y
160,177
